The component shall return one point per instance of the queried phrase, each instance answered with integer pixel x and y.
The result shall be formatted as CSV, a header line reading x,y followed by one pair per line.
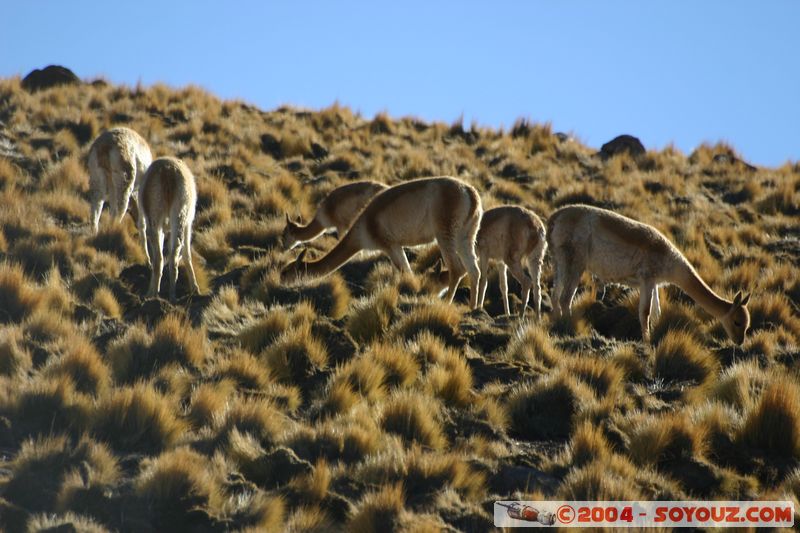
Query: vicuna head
x,y
737,320
294,270
289,236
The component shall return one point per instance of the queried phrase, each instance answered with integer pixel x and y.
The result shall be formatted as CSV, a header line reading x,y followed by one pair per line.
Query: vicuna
x,y
117,161
618,249
167,198
409,214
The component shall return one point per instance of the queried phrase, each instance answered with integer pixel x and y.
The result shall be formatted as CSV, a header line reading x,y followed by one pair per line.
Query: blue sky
x,y
680,72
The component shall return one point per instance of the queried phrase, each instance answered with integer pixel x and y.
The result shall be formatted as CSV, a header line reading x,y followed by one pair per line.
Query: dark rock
x,y
621,144
50,76
271,145
561,136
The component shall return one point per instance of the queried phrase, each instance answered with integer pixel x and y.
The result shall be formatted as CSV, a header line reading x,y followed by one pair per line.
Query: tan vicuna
x,y
336,211
513,237
416,212
618,249
167,199
117,161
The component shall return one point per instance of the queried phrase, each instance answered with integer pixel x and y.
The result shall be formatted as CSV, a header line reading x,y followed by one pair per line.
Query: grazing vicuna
x,y
618,249
514,237
117,161
167,199
409,214
336,211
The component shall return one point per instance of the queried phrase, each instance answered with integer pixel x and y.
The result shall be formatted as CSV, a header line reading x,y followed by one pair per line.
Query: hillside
x,y
360,401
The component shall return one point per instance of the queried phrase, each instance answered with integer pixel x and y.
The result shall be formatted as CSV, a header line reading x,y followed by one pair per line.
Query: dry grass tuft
x,y
255,417
329,295
18,298
15,360
136,419
679,357
64,522
659,440
400,367
772,427
370,318
412,416
138,354
451,381
49,407
295,356
263,332
106,302
533,346
82,365
176,482
440,319
208,401
41,466
588,444
381,510
244,370
546,409
739,385
362,376
602,376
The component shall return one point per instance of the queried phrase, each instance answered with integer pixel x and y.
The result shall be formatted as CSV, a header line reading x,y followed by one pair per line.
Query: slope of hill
x,y
361,401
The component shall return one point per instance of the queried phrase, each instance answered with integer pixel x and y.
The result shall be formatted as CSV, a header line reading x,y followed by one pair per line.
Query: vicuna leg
x,y
454,268
502,275
572,277
187,254
97,208
518,271
655,306
155,239
466,252
645,299
484,266
174,257
142,225
399,259
535,267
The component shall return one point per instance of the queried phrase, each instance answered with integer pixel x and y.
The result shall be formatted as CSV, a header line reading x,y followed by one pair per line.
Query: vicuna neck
x,y
308,232
687,278
339,255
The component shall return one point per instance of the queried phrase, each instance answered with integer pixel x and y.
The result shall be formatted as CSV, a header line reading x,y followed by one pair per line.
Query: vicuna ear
x,y
287,218
745,300
737,299
301,257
